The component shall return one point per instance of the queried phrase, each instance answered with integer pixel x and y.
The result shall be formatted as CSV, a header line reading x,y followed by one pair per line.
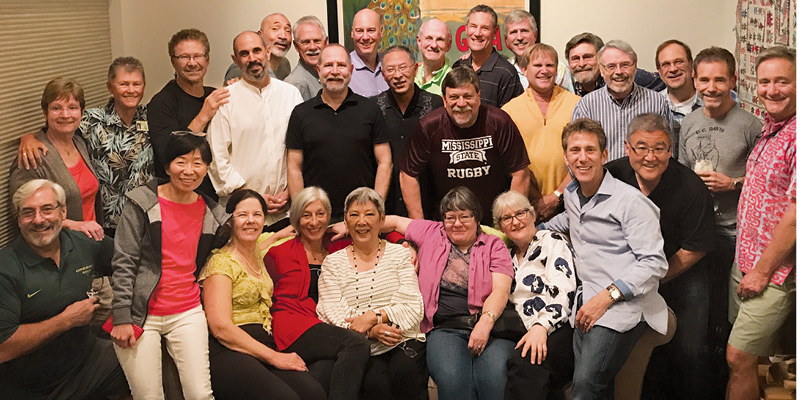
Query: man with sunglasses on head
x,y
615,105
679,369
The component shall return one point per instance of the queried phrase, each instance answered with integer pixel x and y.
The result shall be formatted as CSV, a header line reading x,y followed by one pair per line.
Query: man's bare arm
x,y
210,106
383,155
409,185
521,181
783,243
681,261
294,174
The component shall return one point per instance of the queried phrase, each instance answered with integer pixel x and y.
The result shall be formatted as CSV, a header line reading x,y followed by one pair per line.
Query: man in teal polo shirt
x,y
48,349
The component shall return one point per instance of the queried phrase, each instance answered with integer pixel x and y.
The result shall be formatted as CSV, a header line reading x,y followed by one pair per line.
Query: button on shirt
x,y
615,116
364,81
434,85
499,80
617,240
247,138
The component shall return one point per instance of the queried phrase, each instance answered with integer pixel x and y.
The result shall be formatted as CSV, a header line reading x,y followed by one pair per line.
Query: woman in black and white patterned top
x,y
542,292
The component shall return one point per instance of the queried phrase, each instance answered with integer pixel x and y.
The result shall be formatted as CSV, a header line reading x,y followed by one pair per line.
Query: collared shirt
x,y
645,79
364,81
122,156
399,126
338,145
488,255
305,79
247,138
615,116
499,80
33,289
617,240
769,189
435,84
563,77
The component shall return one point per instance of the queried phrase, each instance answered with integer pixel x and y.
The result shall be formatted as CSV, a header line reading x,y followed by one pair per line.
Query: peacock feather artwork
x,y
400,18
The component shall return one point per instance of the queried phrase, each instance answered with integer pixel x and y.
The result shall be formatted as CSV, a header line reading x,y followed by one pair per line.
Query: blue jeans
x,y
599,355
459,375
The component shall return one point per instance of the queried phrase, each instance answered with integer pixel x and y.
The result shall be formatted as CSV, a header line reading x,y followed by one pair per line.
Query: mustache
x,y
313,52
252,64
462,109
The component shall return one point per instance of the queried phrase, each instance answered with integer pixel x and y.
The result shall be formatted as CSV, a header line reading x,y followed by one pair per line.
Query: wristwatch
x,y
380,317
738,183
614,293
558,194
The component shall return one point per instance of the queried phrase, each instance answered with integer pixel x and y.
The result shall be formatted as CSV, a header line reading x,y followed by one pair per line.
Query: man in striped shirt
x,y
621,100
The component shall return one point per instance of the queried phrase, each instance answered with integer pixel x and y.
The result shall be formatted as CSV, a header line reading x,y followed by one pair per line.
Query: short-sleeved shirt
x,y
364,81
769,188
725,141
33,289
338,145
433,86
305,79
499,80
251,296
481,157
685,204
399,126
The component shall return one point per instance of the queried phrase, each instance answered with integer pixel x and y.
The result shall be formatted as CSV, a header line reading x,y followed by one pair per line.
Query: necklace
x,y
322,254
377,256
247,262
371,283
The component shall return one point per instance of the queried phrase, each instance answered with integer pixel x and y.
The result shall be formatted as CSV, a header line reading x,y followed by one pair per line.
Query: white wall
x,y
142,28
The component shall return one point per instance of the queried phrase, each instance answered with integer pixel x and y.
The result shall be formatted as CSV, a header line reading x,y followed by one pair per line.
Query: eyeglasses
x,y
677,63
613,67
27,214
521,216
464,219
400,68
185,58
411,353
193,133
585,57
642,150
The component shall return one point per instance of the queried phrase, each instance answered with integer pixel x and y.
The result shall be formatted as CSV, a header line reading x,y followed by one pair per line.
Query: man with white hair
x,y
277,33
48,348
309,39
521,33
434,41
621,100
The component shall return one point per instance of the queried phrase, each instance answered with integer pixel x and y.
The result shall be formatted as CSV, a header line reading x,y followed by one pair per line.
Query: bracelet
x,y
380,317
491,314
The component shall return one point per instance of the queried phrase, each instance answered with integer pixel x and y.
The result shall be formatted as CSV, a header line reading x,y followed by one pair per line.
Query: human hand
x,y
752,284
80,313
277,202
464,56
547,206
89,228
214,101
123,335
716,182
288,362
535,341
339,231
232,81
28,155
386,334
414,259
363,322
480,336
592,310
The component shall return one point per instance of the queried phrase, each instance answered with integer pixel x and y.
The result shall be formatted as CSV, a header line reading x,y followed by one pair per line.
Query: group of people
x,y
258,230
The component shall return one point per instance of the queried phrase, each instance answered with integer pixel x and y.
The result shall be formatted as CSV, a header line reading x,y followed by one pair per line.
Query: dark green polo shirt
x,y
33,289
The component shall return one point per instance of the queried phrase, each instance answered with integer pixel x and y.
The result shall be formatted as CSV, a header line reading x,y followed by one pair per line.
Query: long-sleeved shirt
x,y
391,286
617,239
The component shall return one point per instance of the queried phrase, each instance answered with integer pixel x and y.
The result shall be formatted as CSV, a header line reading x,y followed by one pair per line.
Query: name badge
x,y
141,126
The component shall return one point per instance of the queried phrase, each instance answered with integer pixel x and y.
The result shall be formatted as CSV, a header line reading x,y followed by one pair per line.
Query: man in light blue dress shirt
x,y
619,259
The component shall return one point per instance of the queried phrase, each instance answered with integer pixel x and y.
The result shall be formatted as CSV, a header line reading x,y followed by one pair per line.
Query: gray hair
x,y
400,47
363,195
301,202
519,16
510,199
311,20
621,46
649,122
129,64
585,37
461,199
484,9
777,52
30,187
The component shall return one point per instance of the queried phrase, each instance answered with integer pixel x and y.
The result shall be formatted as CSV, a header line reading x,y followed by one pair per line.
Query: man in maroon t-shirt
x,y
464,144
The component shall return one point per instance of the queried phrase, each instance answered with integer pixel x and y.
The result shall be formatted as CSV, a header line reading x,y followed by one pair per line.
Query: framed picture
x,y
402,19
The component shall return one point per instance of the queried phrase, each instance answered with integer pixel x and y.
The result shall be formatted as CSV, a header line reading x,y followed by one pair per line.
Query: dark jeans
x,y
599,355
395,375
539,381
720,262
348,348
236,375
679,369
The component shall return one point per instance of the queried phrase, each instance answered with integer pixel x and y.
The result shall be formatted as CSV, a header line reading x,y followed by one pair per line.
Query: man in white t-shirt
x,y
247,135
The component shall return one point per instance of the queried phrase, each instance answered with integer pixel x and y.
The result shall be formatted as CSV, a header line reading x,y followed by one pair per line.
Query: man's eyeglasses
x,y
677,63
185,58
613,67
400,68
521,216
27,214
642,151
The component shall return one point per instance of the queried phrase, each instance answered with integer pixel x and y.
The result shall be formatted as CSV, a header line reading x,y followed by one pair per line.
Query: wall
x,y
141,28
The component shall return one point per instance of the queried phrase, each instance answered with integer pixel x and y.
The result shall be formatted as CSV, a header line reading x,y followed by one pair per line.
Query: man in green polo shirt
x,y
434,42
48,349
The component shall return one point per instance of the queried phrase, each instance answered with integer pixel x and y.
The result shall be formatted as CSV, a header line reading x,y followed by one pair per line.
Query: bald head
x,y
434,40
366,33
277,33
251,56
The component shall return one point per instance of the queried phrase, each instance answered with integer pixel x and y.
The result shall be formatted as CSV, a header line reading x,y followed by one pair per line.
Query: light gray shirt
x,y
305,79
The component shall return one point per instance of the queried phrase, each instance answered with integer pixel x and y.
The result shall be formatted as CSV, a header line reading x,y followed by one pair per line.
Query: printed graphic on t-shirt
x,y
473,149
706,148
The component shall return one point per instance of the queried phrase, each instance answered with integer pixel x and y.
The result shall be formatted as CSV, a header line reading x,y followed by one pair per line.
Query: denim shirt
x,y
617,239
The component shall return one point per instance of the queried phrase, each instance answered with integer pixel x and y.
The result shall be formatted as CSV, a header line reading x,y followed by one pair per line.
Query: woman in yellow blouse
x,y
237,294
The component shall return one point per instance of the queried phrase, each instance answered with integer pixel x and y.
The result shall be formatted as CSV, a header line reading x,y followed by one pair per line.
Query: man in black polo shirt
x,y
402,105
48,349
679,369
337,140
499,80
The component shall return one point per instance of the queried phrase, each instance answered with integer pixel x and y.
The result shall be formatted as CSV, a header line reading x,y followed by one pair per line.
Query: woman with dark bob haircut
x,y
164,236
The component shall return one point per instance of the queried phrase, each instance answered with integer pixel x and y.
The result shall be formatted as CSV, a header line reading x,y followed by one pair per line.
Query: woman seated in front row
x,y
237,294
464,275
370,287
543,293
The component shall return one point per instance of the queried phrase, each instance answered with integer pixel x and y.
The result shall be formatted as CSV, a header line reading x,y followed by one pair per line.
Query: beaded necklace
x,y
372,281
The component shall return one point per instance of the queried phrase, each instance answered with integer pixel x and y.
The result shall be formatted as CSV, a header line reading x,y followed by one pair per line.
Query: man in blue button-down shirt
x,y
619,259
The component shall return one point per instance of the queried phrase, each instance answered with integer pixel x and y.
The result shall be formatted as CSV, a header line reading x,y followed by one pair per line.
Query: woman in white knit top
x,y
371,288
